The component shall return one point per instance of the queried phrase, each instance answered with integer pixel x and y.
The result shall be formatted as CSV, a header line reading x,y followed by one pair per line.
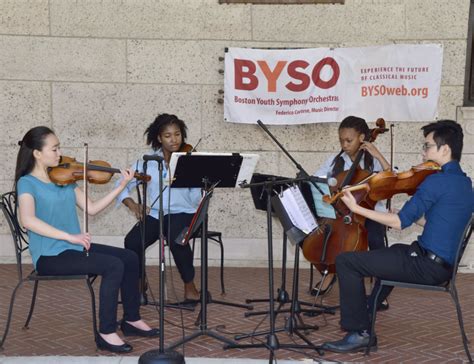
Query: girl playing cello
x,y
352,132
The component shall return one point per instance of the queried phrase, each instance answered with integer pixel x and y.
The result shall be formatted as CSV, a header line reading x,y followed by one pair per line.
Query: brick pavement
x,y
419,327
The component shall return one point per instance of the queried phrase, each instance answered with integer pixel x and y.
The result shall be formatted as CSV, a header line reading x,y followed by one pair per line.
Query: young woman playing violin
x,y
167,134
443,204
57,246
352,133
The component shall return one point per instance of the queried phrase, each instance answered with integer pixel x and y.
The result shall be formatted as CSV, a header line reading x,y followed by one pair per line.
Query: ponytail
x,y
33,140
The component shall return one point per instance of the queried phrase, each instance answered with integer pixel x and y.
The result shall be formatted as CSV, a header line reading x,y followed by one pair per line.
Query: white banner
x,y
299,86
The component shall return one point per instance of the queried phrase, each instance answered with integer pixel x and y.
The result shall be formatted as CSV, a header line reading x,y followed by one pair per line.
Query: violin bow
x,y
86,207
389,201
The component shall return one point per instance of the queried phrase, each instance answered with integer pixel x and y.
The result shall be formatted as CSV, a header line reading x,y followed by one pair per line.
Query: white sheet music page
x,y
298,210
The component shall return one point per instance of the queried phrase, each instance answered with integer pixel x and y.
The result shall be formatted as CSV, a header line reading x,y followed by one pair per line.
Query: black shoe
x,y
321,292
383,306
351,343
130,330
104,345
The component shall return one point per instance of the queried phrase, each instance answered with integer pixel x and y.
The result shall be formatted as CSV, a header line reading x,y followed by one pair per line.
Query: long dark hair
x,y
360,126
157,127
33,140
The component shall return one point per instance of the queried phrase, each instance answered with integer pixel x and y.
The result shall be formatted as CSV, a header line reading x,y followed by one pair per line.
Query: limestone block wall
x,y
98,71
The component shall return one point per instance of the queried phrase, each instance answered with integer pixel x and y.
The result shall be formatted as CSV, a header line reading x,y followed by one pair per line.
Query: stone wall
x,y
99,71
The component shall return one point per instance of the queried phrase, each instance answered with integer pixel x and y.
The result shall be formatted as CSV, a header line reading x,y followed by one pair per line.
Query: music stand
x,y
259,196
272,342
209,171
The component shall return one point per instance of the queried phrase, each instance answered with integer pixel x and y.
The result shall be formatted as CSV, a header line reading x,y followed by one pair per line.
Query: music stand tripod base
x,y
207,171
272,342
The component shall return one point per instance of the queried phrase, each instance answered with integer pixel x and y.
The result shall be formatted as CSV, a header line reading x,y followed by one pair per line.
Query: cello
x,y
346,232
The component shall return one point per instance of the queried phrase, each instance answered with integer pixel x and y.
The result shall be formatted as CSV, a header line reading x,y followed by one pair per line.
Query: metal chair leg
x,y
94,315
32,306
374,316
465,341
218,240
10,312
222,266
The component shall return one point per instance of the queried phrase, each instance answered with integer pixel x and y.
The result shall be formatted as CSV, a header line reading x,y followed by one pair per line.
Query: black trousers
x,y
118,269
375,234
182,254
393,263
376,239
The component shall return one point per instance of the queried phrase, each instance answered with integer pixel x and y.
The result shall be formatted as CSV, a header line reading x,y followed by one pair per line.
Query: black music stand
x,y
259,196
207,171
272,342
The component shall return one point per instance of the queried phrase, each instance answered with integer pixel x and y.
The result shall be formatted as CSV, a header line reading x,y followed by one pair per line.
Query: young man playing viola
x,y
442,204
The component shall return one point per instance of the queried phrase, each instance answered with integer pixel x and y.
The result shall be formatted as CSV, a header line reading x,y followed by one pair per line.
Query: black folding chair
x,y
215,236
20,241
448,287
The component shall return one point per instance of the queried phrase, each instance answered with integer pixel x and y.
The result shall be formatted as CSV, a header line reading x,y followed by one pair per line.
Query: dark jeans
x,y
118,269
393,263
182,254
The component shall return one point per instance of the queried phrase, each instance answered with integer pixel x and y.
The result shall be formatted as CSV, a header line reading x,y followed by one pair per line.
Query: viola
x,y
98,172
383,185
186,148
345,232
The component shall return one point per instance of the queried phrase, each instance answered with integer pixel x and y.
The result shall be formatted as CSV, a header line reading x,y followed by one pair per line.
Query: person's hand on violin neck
x,y
94,207
385,218
81,239
126,176
135,208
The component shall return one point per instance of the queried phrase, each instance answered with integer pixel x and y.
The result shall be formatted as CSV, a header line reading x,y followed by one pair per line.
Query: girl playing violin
x,y
57,246
352,132
167,134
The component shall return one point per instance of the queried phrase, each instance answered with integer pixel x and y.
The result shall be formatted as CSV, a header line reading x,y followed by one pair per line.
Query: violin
x,y
98,172
383,185
186,148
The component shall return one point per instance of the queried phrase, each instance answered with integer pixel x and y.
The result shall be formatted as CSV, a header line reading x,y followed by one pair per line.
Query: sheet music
x,y
298,210
322,208
248,166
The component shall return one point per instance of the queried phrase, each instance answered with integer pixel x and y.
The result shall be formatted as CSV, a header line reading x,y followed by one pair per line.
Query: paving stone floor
x,y
419,327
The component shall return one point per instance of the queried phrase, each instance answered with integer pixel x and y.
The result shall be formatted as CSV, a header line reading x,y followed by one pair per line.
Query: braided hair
x,y
361,127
